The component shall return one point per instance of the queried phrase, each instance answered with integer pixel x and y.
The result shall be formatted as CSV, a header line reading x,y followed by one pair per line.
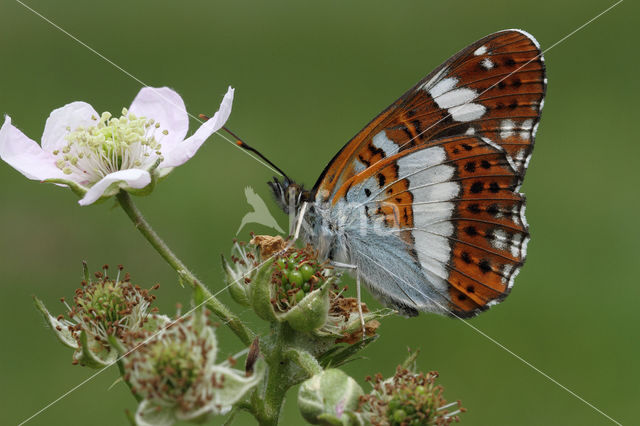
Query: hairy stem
x,y
267,401
217,307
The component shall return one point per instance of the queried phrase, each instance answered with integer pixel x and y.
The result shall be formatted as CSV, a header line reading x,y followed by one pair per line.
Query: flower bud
x,y
330,398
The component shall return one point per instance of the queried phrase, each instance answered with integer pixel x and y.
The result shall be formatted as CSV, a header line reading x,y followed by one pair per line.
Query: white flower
x,y
97,154
175,375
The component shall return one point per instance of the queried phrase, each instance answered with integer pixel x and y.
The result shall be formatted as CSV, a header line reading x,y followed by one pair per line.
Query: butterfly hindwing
x,y
493,88
454,208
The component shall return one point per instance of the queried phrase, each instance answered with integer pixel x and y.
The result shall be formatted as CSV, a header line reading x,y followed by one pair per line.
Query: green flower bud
x,y
295,277
307,271
330,398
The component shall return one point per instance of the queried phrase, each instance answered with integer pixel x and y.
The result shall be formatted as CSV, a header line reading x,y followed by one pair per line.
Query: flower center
x,y
112,144
178,364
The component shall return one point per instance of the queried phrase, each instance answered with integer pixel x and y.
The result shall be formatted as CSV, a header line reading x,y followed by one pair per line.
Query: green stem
x,y
128,383
267,402
217,307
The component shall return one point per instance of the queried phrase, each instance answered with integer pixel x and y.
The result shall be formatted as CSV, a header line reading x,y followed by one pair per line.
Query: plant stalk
x,y
267,401
228,318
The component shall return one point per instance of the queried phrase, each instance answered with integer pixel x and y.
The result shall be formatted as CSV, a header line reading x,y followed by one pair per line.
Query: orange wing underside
x,y
501,79
488,244
511,89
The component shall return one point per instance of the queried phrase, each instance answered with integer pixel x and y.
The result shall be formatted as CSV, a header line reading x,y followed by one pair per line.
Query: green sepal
x,y
328,420
237,289
77,189
326,398
59,328
311,312
117,345
340,355
140,192
260,293
89,350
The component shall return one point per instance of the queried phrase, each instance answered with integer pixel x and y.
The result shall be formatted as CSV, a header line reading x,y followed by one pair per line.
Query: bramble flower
x,y
174,374
102,310
330,398
407,399
96,155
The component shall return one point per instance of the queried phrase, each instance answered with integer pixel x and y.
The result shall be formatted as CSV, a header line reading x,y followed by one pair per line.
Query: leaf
x,y
339,355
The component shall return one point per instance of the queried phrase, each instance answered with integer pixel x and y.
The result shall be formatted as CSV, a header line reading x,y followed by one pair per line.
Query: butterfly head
x,y
289,195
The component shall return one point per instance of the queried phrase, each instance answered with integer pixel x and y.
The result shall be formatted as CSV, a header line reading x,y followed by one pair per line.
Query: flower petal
x,y
188,148
236,384
25,155
73,115
59,326
149,414
134,178
166,107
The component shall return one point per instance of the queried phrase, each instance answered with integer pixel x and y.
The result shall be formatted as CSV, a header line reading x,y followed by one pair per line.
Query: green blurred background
x,y
309,75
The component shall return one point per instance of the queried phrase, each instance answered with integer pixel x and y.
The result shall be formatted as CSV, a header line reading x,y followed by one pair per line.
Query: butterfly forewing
x,y
437,174
493,88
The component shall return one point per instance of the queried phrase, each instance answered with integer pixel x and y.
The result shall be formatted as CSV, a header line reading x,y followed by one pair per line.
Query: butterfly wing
x,y
449,211
436,177
493,88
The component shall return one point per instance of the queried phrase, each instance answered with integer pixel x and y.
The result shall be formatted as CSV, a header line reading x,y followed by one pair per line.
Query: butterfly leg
x,y
359,300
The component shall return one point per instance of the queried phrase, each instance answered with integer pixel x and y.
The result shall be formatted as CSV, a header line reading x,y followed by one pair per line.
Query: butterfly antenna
x,y
242,144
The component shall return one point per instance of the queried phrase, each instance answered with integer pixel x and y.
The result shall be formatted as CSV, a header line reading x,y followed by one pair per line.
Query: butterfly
x,y
424,202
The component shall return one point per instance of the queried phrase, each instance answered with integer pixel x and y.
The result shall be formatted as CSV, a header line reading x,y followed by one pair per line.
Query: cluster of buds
x,y
295,276
174,373
407,399
267,274
287,284
103,311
